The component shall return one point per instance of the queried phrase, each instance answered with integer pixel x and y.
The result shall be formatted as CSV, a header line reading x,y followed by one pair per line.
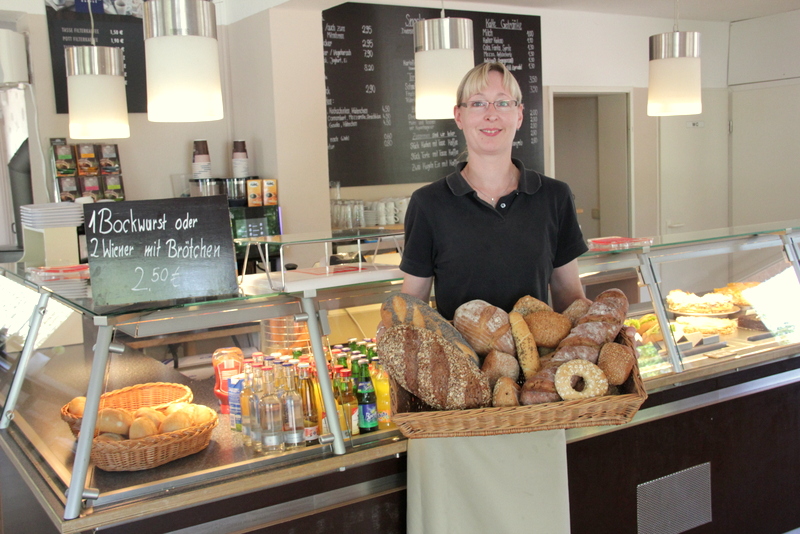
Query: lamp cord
x,y
91,21
443,9
677,15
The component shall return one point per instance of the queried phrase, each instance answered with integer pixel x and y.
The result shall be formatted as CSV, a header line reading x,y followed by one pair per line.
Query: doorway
x,y
591,153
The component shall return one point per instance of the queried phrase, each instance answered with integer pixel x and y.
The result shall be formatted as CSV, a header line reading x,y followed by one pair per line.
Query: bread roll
x,y
527,351
498,364
175,421
616,361
528,304
433,369
151,413
114,420
142,427
405,309
75,406
505,392
548,327
175,407
577,309
485,327
109,436
202,414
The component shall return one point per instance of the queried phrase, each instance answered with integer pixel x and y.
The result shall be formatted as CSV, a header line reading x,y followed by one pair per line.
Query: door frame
x,y
551,92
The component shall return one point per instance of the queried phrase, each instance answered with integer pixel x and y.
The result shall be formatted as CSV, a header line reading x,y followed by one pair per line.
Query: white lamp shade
x,y
674,87
97,107
437,74
183,81
13,58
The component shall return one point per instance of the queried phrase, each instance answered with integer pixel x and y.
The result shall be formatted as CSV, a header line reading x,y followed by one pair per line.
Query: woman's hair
x,y
477,79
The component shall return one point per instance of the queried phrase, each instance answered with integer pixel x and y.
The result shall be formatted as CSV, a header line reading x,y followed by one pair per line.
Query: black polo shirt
x,y
476,251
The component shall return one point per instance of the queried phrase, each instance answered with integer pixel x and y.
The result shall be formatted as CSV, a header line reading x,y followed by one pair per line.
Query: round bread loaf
x,y
485,327
616,361
433,369
151,413
499,364
175,421
548,328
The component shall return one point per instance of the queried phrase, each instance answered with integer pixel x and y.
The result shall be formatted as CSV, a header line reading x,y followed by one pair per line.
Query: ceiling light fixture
x,y
182,61
443,53
98,106
675,85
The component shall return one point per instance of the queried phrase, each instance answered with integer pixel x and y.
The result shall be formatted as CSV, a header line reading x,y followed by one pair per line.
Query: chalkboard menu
x,y
150,250
373,137
67,27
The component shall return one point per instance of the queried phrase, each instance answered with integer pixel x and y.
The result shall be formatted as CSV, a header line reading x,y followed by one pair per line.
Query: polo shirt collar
x,y
529,181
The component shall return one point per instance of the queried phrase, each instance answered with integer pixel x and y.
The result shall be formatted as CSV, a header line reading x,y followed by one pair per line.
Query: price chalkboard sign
x,y
151,250
373,137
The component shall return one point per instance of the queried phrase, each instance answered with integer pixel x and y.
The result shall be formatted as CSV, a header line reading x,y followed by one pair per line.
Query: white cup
x,y
380,208
391,212
402,207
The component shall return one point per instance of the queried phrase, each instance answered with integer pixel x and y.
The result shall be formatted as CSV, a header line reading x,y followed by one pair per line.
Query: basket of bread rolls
x,y
156,395
492,372
132,437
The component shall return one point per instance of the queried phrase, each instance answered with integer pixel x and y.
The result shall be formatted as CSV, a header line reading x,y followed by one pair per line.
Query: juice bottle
x,y
227,362
311,417
382,391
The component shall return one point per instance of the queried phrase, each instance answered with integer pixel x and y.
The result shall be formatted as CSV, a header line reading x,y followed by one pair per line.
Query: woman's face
x,y
488,131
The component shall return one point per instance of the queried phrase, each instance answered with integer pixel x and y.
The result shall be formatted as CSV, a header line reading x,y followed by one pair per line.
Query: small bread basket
x,y
152,451
153,394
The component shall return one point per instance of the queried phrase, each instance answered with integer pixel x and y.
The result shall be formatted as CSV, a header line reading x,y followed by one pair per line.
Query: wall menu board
x,y
66,27
373,137
150,250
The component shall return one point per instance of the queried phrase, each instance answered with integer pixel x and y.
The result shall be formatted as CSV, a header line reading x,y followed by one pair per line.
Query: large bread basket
x,y
417,420
153,394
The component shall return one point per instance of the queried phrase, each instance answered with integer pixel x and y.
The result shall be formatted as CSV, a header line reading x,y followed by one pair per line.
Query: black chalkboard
x,y
151,250
373,137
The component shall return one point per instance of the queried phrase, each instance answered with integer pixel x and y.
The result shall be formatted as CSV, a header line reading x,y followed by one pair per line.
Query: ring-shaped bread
x,y
595,383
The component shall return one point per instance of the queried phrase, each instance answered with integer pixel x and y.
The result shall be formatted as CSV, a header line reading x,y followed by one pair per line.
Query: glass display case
x,y
755,269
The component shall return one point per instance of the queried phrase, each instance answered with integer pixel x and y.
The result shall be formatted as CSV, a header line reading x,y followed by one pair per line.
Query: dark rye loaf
x,y
432,368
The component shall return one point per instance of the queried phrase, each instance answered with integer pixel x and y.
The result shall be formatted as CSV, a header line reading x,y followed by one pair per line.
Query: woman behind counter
x,y
492,230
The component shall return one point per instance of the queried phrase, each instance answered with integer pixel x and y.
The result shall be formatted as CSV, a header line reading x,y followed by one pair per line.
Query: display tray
x,y
417,420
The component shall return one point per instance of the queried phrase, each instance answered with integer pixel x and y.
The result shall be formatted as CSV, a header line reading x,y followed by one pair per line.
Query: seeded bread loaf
x,y
432,368
405,309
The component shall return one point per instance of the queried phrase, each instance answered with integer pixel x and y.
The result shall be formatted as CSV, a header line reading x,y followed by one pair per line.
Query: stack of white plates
x,y
51,215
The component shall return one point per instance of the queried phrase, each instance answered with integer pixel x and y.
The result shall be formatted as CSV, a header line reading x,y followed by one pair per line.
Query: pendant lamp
x,y
98,106
443,53
182,61
675,86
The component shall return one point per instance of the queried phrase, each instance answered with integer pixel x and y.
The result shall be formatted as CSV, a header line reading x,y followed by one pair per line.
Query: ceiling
x,y
712,10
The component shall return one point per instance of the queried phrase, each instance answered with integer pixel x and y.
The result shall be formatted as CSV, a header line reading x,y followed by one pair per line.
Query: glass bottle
x,y
349,402
246,395
293,420
310,409
383,394
270,411
367,400
255,399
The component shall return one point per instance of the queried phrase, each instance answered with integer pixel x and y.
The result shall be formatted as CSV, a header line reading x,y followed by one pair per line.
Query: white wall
x,y
274,88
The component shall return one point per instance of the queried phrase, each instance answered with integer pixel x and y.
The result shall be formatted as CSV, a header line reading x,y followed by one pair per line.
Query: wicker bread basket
x,y
417,420
152,451
153,394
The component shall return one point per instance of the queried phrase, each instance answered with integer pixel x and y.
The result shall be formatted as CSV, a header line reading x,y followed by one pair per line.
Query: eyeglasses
x,y
483,105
